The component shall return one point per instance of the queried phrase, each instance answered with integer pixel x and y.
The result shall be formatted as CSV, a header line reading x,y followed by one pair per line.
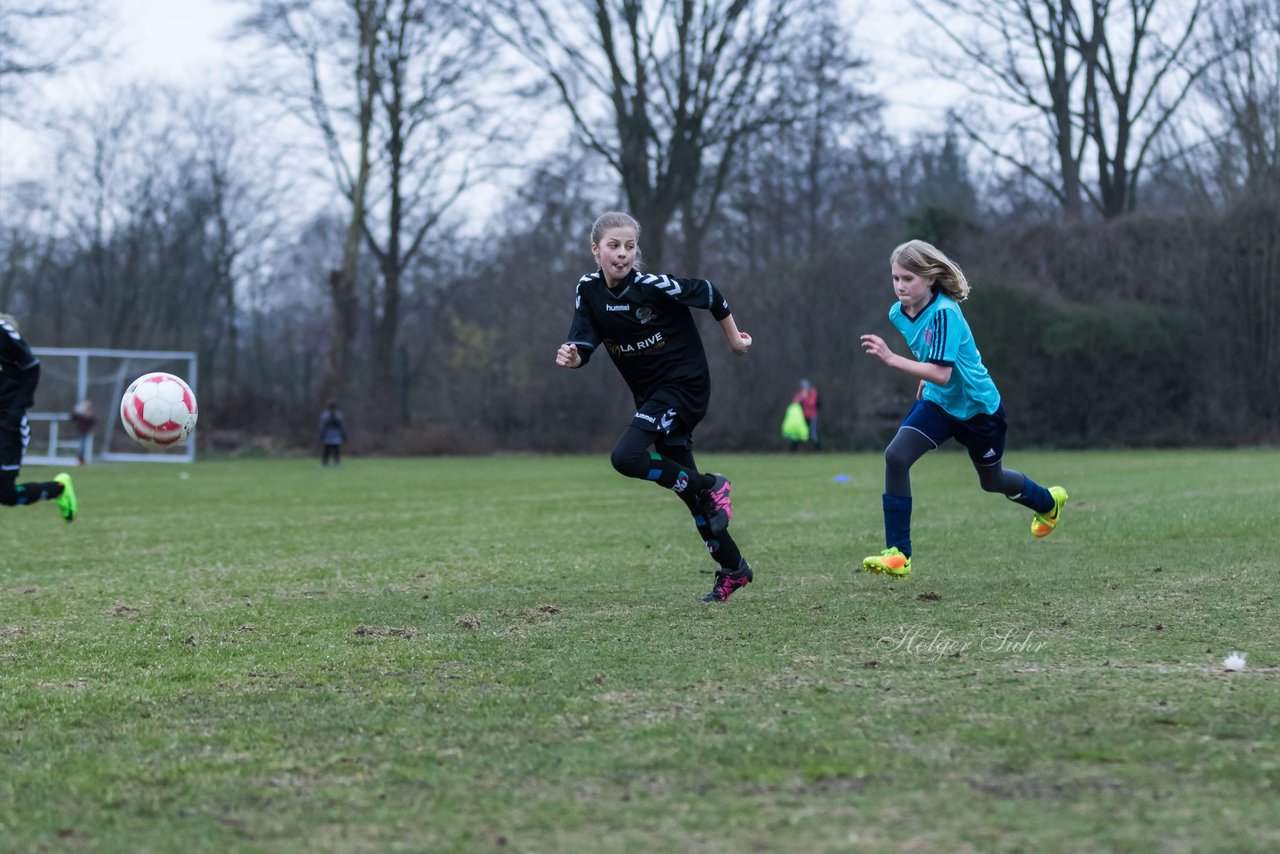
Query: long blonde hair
x,y
9,319
928,261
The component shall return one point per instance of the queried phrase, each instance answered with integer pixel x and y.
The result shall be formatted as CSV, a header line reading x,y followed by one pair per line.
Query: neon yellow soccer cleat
x,y
67,505
889,562
1043,525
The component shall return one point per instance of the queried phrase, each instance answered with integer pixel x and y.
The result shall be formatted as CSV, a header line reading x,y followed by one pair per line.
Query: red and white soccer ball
x,y
158,410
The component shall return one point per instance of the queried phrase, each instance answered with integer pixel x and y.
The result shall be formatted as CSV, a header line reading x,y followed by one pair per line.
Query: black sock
x,y
723,549
28,493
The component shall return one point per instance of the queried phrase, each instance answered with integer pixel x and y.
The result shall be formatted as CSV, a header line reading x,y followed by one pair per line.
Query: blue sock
x,y
897,522
1034,497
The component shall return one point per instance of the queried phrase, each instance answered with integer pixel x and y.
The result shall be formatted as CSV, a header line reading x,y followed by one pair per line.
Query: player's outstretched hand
x,y
743,344
873,345
568,357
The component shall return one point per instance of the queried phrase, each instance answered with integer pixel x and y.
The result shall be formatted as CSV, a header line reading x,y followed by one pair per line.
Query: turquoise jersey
x,y
939,334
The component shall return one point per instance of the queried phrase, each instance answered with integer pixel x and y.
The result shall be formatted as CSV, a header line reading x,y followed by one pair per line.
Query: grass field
x,y
508,654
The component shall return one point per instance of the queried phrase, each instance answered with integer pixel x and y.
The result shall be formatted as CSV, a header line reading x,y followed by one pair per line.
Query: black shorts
x,y
14,436
671,413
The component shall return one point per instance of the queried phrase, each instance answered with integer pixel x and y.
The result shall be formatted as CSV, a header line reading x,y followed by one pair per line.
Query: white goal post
x,y
69,375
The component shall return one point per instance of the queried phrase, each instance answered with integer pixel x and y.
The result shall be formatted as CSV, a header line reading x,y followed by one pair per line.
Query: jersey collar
x,y
619,290
920,314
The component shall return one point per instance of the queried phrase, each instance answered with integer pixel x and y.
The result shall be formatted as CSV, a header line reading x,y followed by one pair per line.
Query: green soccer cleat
x,y
889,562
67,504
1043,525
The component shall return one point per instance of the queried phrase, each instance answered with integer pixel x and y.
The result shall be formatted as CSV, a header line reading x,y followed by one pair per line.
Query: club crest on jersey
x,y
644,314
928,337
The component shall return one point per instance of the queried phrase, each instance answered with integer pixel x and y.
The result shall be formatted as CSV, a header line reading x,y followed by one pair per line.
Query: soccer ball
x,y
158,410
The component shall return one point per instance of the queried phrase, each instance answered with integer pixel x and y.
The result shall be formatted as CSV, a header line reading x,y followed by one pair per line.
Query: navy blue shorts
x,y
983,435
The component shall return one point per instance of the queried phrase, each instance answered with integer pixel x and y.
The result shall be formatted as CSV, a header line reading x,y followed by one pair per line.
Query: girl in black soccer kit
x,y
644,323
19,374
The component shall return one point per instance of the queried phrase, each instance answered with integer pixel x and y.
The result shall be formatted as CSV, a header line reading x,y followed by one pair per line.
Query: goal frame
x,y
61,443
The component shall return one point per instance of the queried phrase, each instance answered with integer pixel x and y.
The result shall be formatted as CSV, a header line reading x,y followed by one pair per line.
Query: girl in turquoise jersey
x,y
956,399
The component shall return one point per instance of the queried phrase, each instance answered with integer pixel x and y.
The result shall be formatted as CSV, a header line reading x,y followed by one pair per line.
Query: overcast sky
x,y
181,43
173,40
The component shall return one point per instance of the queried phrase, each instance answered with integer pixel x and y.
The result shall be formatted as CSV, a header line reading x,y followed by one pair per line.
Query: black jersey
x,y
19,370
645,325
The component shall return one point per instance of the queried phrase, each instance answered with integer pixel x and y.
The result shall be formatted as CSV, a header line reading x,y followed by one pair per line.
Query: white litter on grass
x,y
1234,661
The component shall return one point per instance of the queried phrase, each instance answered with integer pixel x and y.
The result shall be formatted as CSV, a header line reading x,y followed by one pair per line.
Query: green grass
x,y
484,654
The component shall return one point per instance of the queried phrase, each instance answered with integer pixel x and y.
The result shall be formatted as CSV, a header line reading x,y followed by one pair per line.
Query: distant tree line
x,y
1112,191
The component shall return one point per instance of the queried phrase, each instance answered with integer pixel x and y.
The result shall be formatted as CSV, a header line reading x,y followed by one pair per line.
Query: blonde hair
x,y
9,319
928,261
613,219
616,219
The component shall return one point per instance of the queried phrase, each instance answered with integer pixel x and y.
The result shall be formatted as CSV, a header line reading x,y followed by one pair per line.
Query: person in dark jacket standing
x,y
19,376
644,322
333,432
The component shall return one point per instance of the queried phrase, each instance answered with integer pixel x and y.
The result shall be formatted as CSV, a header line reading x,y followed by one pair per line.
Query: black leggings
x,y
12,495
631,458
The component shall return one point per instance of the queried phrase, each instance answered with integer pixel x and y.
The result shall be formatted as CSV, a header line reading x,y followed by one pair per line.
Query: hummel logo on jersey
x,y
648,418
991,452
626,306
668,418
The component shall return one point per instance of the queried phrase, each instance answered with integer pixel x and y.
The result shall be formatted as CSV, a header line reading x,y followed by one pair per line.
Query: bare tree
x,y
1245,90
39,39
1098,81
392,85
439,131
143,242
666,92
243,217
341,34
118,155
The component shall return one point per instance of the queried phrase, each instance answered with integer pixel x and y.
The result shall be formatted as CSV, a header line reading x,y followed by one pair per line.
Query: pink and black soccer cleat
x,y
714,505
727,582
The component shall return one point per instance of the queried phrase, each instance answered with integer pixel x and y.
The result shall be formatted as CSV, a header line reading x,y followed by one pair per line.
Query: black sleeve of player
x,y
15,352
695,293
582,332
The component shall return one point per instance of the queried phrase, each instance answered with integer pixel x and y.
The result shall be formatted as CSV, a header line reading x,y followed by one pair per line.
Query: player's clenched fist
x,y
567,356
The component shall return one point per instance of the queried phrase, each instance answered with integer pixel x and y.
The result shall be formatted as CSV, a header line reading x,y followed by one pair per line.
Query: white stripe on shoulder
x,y
665,283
